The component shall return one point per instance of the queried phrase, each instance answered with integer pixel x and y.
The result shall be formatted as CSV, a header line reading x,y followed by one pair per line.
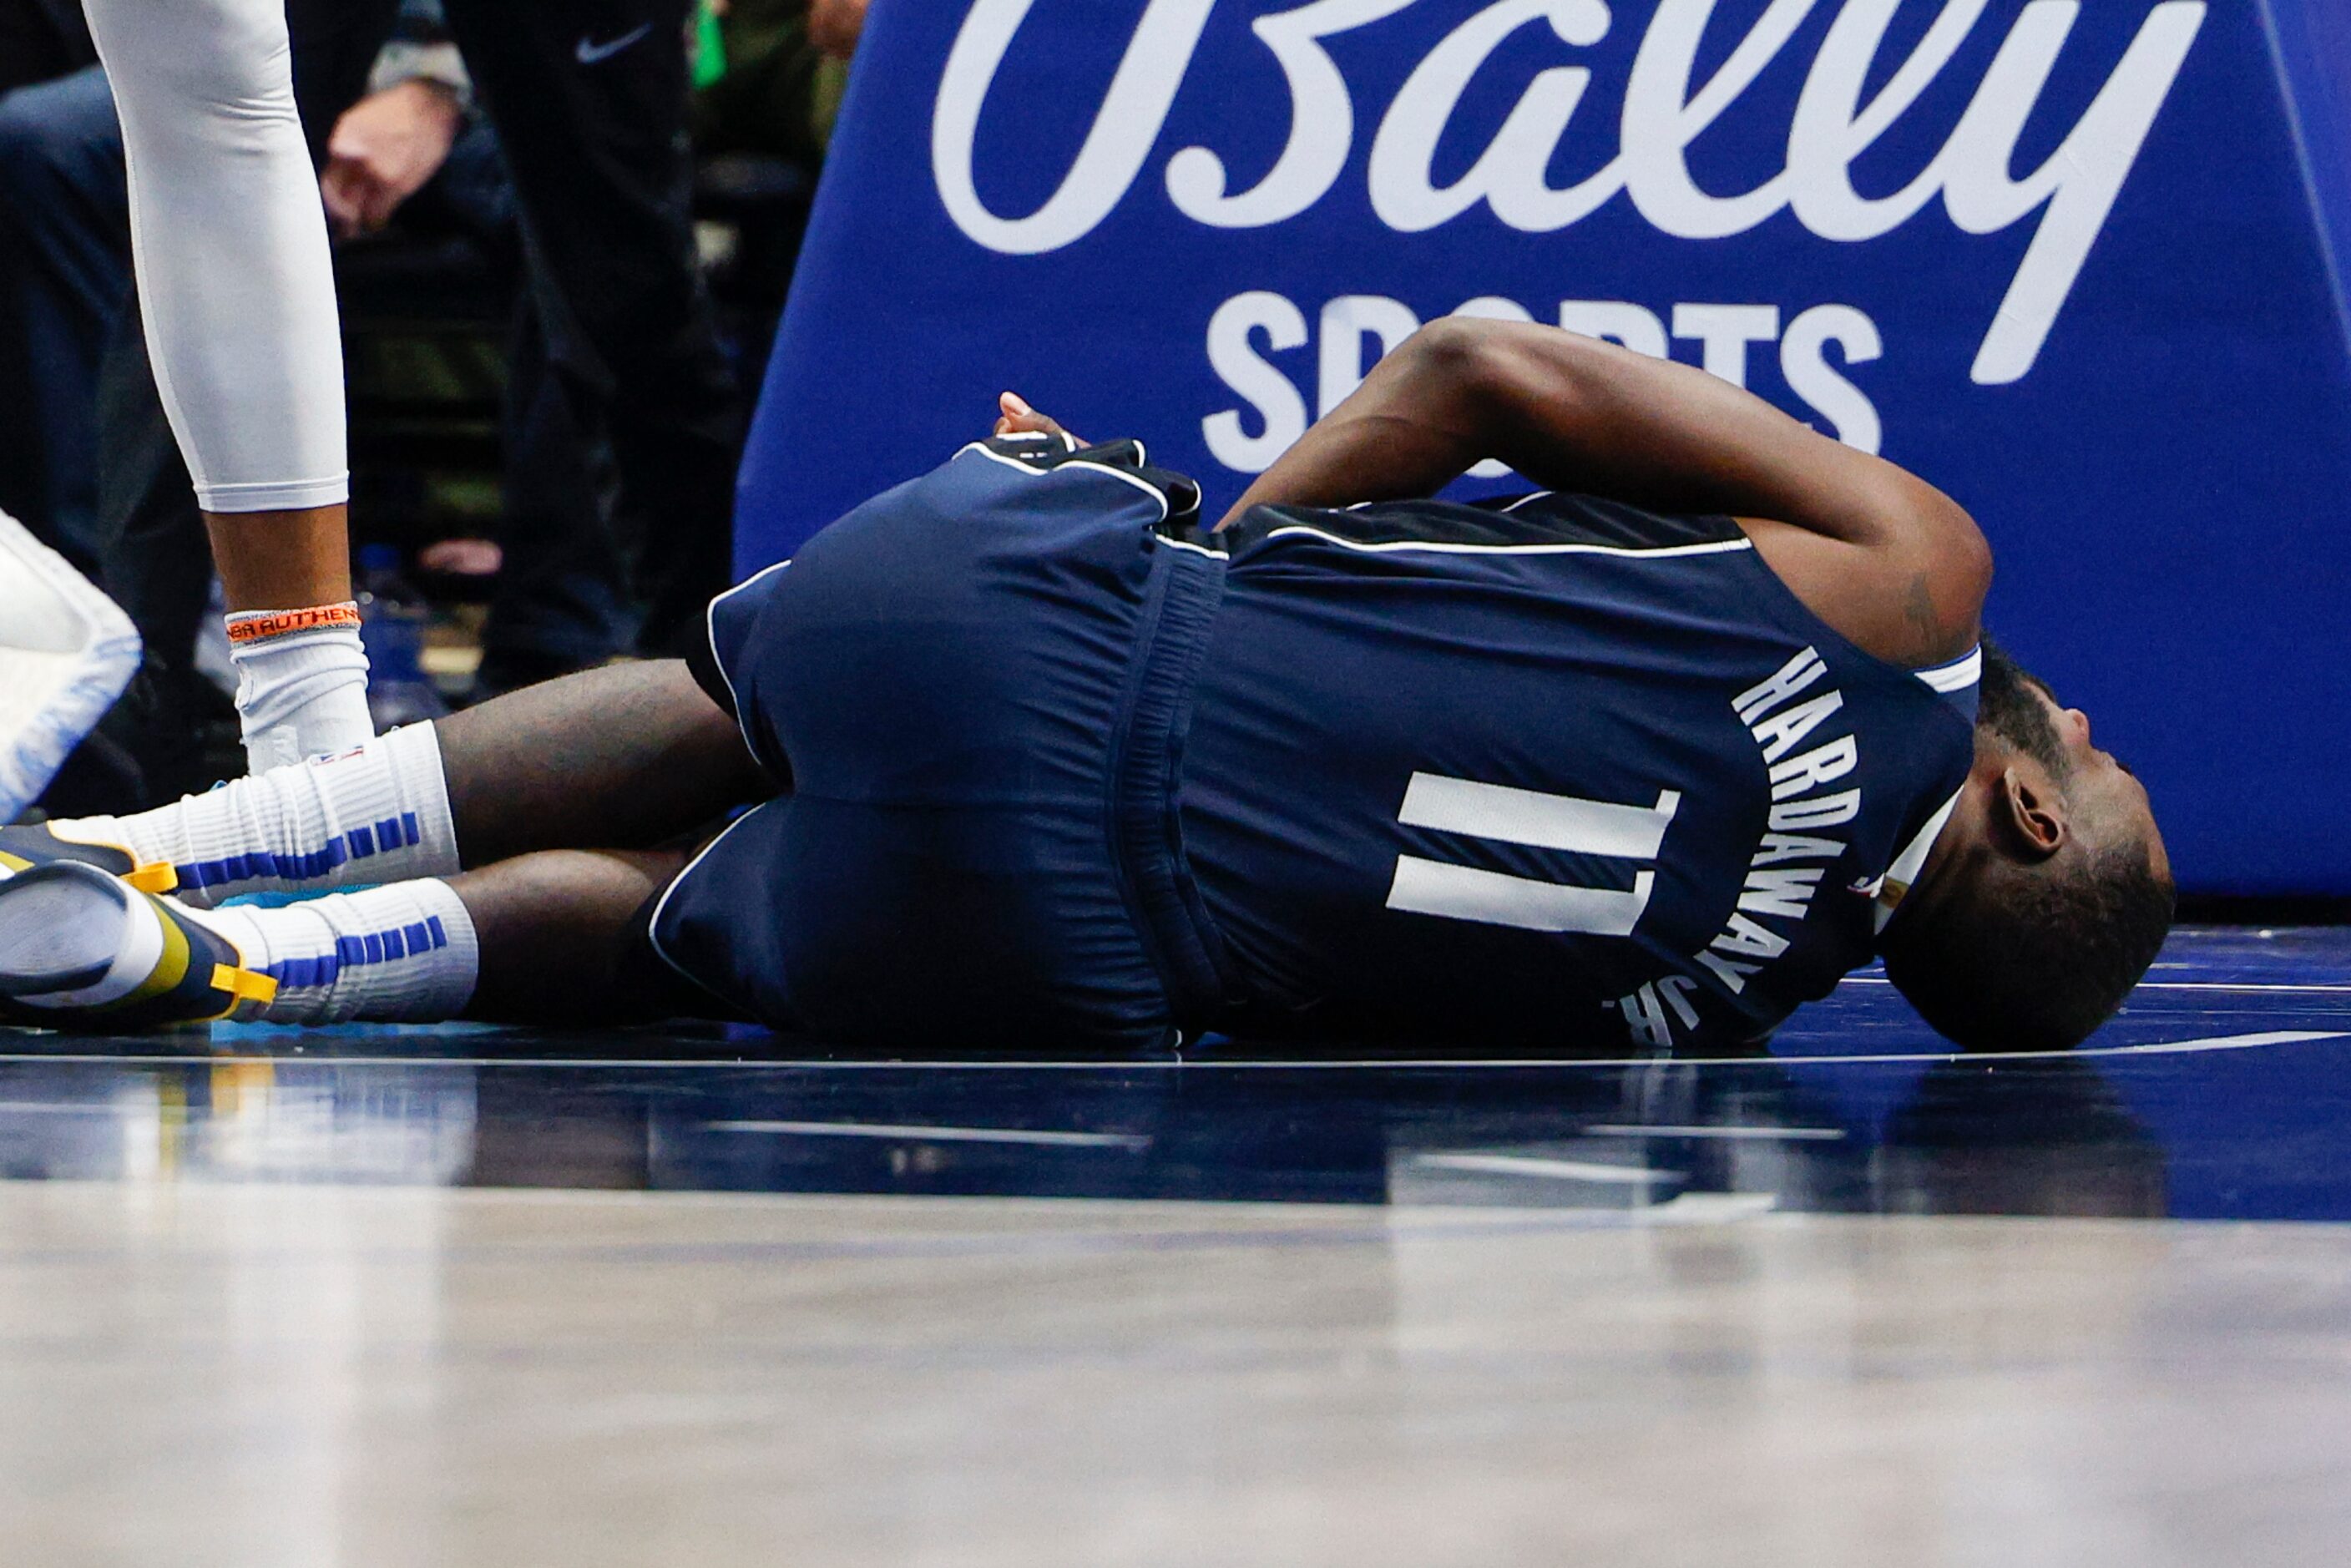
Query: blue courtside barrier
x,y
2081,265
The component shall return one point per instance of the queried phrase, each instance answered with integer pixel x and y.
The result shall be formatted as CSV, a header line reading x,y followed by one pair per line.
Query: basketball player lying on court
x,y
1034,761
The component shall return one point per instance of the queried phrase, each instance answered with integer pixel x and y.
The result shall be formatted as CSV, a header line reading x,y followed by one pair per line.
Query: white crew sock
x,y
301,683
379,813
402,954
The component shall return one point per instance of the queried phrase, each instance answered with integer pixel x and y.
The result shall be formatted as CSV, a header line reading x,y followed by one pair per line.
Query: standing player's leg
x,y
229,244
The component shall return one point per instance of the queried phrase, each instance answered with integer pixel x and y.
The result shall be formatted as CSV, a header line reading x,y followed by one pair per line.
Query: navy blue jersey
x,y
1560,774
1060,770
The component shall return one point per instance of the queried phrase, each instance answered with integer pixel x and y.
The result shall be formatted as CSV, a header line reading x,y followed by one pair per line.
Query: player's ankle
x,y
325,725
301,682
402,953
375,812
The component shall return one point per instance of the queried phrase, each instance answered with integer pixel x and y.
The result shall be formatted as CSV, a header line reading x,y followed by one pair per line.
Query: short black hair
x,y
2037,959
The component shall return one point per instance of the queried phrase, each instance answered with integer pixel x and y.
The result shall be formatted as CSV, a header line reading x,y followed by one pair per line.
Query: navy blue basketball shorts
x,y
976,686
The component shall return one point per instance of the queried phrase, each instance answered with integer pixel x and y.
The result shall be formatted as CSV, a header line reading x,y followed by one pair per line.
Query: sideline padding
x,y
2114,326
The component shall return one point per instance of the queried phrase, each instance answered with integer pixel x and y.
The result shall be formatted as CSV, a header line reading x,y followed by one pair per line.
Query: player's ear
x,y
2030,811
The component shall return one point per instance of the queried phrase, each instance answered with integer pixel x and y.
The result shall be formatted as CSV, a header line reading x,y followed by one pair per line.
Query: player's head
x,y
2056,893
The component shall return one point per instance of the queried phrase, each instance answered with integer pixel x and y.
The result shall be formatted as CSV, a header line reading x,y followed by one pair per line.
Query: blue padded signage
x,y
2078,263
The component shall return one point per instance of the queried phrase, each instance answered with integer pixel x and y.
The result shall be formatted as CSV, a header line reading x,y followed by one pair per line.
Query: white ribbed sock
x,y
379,813
301,683
402,954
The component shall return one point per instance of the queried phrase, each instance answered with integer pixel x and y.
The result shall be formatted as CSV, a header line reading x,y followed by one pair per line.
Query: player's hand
x,y
1017,418
382,150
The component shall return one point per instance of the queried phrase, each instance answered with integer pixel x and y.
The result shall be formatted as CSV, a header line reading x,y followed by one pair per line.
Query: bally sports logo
x,y
1667,107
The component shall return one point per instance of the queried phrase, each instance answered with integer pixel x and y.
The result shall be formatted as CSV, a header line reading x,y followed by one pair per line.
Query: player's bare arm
x,y
1879,554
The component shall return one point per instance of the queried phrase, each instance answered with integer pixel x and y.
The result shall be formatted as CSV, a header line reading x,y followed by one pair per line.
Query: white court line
x,y
2284,986
1551,1170
2239,986
1711,1207
1787,1135
1133,1141
2160,1048
1186,1064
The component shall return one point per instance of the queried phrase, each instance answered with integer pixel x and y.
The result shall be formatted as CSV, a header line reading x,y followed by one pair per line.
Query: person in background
x,y
239,316
388,145
787,64
590,104
765,88
65,269
590,110
58,291
65,277
39,40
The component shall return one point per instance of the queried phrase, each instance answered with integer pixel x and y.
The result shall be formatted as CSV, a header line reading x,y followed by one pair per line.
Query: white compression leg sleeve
x,y
229,244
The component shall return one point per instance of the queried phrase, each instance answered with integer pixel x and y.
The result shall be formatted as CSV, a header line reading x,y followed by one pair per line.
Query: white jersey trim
x,y
1956,676
1187,544
1445,546
710,632
652,925
1145,485
1900,876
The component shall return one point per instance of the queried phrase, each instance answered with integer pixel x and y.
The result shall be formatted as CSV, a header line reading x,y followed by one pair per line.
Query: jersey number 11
x,y
1541,821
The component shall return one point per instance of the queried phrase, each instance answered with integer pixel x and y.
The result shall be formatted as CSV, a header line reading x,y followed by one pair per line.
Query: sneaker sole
x,y
62,928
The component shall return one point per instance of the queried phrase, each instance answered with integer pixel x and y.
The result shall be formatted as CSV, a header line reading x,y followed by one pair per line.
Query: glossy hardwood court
x,y
424,1297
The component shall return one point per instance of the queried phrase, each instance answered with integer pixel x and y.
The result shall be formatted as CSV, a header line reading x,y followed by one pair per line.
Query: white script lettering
x,y
1664,111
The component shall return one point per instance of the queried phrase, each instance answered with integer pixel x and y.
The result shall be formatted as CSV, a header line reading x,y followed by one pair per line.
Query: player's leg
x,y
230,248
560,939
635,752
553,938
545,938
628,756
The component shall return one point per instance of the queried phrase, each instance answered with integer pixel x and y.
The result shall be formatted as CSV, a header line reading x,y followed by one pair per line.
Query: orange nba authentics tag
x,y
260,625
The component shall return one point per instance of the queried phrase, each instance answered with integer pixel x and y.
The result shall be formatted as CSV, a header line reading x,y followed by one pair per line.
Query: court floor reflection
x,y
2225,1092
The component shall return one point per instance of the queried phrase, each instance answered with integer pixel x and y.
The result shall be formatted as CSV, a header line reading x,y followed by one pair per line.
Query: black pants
x,y
589,102
64,267
41,41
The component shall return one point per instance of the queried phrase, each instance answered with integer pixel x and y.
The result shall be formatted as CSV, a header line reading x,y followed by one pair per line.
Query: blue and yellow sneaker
x,y
30,844
82,950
